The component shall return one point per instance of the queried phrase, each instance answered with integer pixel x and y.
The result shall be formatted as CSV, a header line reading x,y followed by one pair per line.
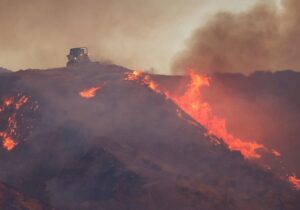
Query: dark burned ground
x,y
124,149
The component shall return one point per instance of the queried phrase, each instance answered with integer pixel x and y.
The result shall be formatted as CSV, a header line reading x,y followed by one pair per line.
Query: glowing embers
x,y
276,153
295,182
23,100
7,142
7,102
131,76
192,103
8,112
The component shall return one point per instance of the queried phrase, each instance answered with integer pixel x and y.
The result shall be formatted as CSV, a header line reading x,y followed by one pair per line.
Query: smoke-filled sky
x,y
159,34
264,37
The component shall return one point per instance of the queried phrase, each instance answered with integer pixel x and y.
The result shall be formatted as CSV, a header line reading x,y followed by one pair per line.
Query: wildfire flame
x,y
8,102
145,80
8,143
131,76
192,103
89,93
13,105
295,182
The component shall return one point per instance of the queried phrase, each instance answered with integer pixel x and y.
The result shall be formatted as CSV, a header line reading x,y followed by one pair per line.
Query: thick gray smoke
x,y
266,37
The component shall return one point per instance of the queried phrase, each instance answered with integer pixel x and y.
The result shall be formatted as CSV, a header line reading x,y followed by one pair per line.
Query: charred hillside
x,y
100,137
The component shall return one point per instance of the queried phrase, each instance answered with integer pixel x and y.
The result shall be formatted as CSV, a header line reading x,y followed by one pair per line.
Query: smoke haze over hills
x,y
37,34
264,36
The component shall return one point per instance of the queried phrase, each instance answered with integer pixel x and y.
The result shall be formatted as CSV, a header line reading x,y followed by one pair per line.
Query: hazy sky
x,y
133,33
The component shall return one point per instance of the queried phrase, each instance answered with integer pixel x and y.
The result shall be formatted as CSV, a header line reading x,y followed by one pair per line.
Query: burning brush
x,y
192,103
11,114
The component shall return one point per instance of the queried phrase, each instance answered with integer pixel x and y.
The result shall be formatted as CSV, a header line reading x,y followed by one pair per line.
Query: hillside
x,y
90,138
266,103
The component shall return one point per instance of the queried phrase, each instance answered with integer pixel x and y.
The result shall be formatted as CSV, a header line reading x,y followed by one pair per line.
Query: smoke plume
x,y
265,37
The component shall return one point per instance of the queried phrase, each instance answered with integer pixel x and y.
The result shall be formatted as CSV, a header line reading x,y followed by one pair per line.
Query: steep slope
x,y
87,138
266,103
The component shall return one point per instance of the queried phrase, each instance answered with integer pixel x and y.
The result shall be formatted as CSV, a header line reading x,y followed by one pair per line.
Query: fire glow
x,y
11,105
192,103
135,75
23,100
145,80
8,143
89,93
295,182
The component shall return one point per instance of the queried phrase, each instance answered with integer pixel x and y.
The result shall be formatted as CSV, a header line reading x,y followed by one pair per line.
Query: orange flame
x,y
8,101
11,131
295,182
23,100
8,143
192,103
89,93
131,76
153,85
145,80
